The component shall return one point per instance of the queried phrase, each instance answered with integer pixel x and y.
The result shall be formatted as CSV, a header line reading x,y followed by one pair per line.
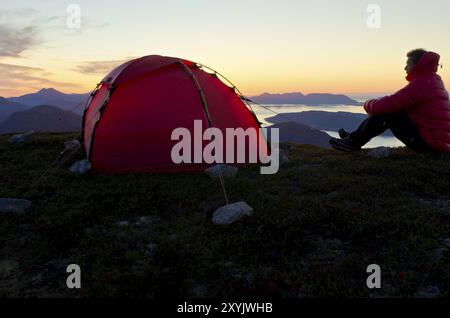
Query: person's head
x,y
414,57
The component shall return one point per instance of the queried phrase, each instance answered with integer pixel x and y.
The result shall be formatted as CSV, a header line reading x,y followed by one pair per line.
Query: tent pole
x,y
222,184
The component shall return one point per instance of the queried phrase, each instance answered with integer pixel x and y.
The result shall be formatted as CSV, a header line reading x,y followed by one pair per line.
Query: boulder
x,y
380,152
231,213
80,167
221,169
20,138
14,206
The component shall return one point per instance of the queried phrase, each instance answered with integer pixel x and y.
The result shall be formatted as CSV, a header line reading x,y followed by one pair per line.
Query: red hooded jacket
x,y
424,99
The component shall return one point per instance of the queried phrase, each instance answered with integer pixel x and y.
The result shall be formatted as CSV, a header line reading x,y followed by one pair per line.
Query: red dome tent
x,y
129,119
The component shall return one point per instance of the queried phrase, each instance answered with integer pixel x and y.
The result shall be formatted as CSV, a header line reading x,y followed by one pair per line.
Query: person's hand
x,y
367,105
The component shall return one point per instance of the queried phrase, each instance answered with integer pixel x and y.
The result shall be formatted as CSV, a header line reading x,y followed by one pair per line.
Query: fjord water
x,y
264,113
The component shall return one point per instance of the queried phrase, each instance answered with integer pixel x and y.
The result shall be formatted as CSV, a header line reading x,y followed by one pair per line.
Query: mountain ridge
x,y
51,96
46,118
313,99
8,107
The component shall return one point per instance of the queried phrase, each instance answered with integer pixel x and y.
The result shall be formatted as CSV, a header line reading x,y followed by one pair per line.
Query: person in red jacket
x,y
418,115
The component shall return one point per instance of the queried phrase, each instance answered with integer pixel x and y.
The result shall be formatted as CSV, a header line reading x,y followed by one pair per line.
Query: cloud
x,y
99,67
18,13
17,79
19,31
15,40
24,29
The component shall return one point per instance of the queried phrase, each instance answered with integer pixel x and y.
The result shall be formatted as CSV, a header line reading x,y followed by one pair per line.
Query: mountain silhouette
x,y
7,108
41,118
301,134
309,100
50,96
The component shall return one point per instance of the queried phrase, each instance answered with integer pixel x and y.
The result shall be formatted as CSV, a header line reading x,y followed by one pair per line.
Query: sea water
x,y
264,113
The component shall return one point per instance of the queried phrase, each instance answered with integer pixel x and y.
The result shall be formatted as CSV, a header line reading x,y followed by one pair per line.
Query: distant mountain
x,y
323,120
301,134
41,118
50,96
7,108
299,98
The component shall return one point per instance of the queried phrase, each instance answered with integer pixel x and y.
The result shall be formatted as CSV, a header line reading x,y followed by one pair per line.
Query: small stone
x,y
429,292
7,267
150,249
143,220
14,206
446,242
20,138
37,279
72,145
438,253
221,169
123,223
380,152
228,264
231,213
200,291
80,167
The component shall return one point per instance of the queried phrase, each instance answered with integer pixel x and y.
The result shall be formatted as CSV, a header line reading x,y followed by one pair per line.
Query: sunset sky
x,y
262,46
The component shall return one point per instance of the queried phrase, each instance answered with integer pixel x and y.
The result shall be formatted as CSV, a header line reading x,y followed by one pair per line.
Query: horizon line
x,y
351,95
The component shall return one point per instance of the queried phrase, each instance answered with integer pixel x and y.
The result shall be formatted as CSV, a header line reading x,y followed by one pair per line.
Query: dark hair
x,y
415,55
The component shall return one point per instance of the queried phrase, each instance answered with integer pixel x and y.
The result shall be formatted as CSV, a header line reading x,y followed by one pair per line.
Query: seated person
x,y
418,115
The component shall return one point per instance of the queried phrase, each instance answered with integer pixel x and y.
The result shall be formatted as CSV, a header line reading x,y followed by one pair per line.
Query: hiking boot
x,y
343,133
345,145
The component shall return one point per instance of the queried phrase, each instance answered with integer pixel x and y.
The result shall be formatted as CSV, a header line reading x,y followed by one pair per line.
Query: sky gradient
x,y
262,46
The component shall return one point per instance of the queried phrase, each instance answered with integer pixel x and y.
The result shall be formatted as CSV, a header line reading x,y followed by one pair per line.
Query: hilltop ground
x,y
316,226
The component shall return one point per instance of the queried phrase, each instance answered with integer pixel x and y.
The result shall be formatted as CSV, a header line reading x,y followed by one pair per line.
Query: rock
x,y
429,292
72,145
14,206
37,279
446,242
20,138
221,169
150,249
143,220
200,291
242,275
380,152
54,270
7,267
123,223
80,167
438,253
231,213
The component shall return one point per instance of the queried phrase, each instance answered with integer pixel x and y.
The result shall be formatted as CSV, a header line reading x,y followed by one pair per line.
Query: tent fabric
x,y
128,123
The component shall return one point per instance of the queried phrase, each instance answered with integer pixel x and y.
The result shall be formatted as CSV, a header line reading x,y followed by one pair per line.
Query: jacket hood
x,y
428,63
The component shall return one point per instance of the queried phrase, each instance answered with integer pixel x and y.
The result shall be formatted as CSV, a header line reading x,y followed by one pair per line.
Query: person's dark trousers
x,y
400,125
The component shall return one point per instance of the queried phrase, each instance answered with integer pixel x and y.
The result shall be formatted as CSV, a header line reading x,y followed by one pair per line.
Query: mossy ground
x,y
317,224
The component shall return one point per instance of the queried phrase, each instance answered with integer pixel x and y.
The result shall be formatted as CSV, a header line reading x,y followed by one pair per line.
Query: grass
x,y
316,226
